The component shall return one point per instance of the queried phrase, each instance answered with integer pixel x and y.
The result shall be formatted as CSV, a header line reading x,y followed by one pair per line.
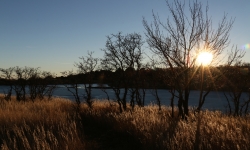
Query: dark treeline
x,y
238,74
171,64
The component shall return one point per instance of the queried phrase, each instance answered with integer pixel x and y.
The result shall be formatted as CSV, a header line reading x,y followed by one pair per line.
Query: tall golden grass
x,y
39,125
55,124
158,130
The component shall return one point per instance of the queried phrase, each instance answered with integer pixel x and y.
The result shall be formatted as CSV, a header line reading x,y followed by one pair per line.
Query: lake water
x,y
214,101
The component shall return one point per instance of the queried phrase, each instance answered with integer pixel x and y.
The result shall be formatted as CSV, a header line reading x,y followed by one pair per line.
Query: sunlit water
x,y
214,101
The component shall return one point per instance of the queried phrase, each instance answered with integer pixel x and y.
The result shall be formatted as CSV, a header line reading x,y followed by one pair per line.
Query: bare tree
x,y
45,85
87,66
236,82
136,81
121,53
7,74
206,81
178,42
141,86
32,82
28,82
103,80
22,75
72,85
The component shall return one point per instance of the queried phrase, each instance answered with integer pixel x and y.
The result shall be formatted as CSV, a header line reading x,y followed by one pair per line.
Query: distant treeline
x,y
145,78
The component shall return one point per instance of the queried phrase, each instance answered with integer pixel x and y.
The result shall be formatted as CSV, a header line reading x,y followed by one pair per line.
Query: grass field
x,y
55,124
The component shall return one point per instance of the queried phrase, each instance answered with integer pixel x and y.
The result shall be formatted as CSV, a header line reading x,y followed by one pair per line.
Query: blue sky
x,y
54,34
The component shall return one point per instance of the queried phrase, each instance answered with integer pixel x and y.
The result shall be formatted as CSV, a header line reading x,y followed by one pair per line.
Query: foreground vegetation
x,y
39,125
56,124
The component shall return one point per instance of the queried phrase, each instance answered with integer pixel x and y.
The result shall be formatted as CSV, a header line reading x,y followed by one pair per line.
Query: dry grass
x,y
158,130
39,125
55,125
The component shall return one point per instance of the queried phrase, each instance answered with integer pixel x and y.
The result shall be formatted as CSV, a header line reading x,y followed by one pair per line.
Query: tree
x,y
28,82
121,53
103,78
236,82
22,75
45,84
87,66
72,85
32,82
179,41
7,74
206,81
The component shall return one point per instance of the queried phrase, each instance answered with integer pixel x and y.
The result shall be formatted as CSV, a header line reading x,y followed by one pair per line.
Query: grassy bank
x,y
54,124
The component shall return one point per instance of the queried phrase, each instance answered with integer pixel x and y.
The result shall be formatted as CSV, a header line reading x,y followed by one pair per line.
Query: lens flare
x,y
246,46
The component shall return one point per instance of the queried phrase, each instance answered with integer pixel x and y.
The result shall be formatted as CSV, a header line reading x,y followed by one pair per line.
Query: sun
x,y
204,58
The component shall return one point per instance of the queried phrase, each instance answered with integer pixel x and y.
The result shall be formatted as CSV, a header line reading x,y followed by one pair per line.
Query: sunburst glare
x,y
204,58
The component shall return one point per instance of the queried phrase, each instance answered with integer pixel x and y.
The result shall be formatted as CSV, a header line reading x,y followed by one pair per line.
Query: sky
x,y
53,34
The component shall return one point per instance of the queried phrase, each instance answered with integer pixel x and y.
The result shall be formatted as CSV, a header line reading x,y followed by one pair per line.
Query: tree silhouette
x,y
122,52
87,66
178,42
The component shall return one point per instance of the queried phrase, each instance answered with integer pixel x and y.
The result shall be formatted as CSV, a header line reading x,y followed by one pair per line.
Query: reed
x,y
158,130
39,125
55,124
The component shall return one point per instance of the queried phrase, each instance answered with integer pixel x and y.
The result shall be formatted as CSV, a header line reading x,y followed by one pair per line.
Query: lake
x,y
214,101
